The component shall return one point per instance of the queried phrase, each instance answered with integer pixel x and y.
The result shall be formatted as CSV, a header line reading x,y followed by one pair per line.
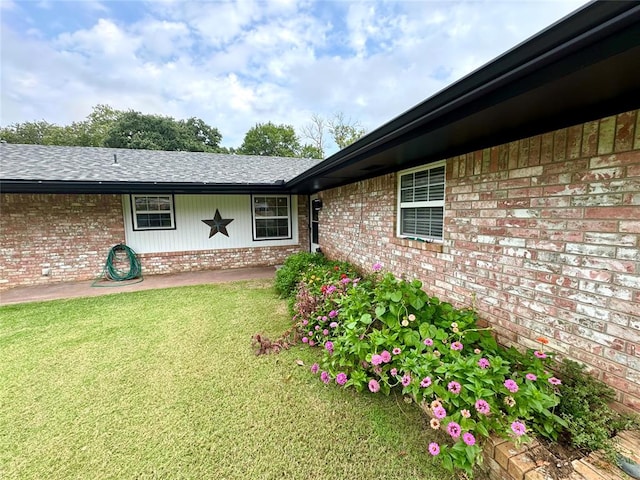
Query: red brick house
x,y
516,189
63,208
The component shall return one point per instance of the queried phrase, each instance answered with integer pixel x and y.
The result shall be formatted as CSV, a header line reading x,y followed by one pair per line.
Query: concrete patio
x,y
56,291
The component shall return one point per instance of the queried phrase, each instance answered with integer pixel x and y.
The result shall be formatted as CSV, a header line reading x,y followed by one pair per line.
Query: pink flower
x,y
305,340
439,412
426,381
465,413
393,372
324,376
374,386
518,428
406,380
376,359
377,370
314,368
434,448
540,354
555,381
453,429
386,356
454,387
345,280
376,267
511,385
428,342
329,346
396,351
317,327
333,314
331,289
311,343
482,407
457,346
305,322
531,376
483,363
324,318
319,318
333,324
341,378
310,333
469,439
325,332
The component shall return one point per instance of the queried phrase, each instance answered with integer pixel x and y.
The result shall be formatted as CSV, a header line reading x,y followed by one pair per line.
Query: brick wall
x,y
543,231
68,238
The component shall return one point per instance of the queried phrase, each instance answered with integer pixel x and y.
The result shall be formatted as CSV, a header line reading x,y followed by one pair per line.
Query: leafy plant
x,y
591,423
381,334
288,276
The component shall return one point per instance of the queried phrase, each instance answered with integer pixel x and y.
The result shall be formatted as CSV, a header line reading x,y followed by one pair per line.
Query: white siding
x,y
192,234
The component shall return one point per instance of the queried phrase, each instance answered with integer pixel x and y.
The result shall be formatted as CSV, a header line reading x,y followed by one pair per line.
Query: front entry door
x,y
314,215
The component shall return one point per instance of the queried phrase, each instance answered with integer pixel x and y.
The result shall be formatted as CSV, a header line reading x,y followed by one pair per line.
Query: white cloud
x,y
236,64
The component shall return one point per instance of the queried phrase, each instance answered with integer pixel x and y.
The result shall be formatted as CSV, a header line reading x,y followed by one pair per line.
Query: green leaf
x,y
380,310
366,318
417,303
396,296
482,429
424,329
471,454
447,462
412,338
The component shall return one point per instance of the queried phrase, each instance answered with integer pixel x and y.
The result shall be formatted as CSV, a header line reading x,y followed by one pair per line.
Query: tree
x,y
344,131
155,132
38,133
311,151
314,131
272,140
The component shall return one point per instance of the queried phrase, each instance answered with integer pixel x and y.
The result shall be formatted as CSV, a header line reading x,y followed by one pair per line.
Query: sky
x,y
236,64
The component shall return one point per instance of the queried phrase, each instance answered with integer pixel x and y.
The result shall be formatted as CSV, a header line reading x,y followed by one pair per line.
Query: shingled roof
x,y
89,169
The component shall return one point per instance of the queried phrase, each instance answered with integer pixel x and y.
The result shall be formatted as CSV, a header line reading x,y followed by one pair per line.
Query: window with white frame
x,y
153,212
421,202
271,217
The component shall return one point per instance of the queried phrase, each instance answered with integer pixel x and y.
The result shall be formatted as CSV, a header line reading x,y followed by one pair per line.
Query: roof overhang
x,y
584,67
39,186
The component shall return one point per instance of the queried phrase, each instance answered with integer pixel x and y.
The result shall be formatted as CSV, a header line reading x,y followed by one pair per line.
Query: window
x,y
421,203
153,212
271,217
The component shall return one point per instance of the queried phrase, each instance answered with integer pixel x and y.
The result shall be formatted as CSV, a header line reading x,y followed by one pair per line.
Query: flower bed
x,y
381,334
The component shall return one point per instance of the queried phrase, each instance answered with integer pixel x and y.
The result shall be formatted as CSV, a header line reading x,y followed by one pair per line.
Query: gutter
x,y
61,186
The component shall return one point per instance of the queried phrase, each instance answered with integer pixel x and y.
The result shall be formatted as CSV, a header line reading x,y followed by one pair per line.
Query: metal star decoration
x,y
218,224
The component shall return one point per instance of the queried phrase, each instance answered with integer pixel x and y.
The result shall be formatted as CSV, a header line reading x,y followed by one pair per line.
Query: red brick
x,y
590,139
625,124
622,213
606,135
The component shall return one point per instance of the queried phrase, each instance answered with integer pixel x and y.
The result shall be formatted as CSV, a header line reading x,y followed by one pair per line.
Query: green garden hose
x,y
113,273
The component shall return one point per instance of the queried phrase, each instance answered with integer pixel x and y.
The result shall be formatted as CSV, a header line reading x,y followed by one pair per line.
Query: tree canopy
x,y
108,127
155,132
342,131
277,141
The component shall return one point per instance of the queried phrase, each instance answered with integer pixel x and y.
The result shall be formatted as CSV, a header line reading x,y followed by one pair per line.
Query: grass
x,y
164,384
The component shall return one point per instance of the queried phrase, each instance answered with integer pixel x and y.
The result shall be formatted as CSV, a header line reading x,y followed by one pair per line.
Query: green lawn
x,y
164,384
